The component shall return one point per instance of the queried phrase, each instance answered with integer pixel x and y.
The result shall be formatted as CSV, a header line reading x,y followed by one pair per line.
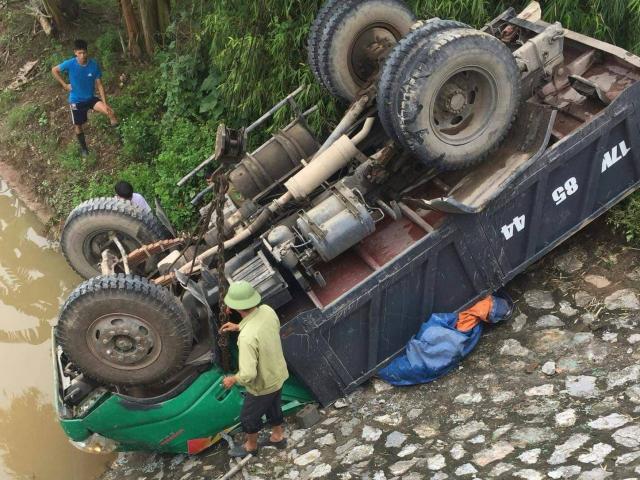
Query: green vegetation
x,y
228,61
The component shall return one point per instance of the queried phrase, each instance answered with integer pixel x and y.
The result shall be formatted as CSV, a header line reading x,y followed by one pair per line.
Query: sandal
x,y
238,451
267,442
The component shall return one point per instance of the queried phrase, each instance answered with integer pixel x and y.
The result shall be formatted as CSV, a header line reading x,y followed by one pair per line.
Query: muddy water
x,y
34,280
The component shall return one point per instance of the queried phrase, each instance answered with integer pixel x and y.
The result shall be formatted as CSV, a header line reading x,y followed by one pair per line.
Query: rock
x,y
460,415
582,386
610,422
588,318
393,419
502,396
320,471
628,436
565,472
328,439
610,337
500,469
549,321
477,439
562,452
539,299
570,364
402,466
425,431
566,418
414,413
597,281
492,454
466,469
540,391
330,421
437,462
624,376
633,393
595,474
381,386
633,339
549,368
343,449
582,298
566,309
500,431
569,262
519,322
357,454
395,440
596,353
457,451
341,403
581,338
309,457
437,476
467,430
634,274
513,348
468,398
379,475
627,458
530,456
622,300
408,450
528,474
543,407
532,435
371,434
597,454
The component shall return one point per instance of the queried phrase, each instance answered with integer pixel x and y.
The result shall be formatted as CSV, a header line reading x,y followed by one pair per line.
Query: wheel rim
x,y
124,341
369,47
99,241
463,106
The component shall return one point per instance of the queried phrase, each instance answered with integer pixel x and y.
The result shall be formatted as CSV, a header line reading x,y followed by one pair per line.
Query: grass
x,y
21,116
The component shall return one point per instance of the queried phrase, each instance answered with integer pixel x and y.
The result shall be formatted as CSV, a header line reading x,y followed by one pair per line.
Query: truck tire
x,y
394,69
315,34
86,232
459,99
124,330
346,62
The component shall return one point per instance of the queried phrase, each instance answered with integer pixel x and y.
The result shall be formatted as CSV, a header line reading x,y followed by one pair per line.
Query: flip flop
x,y
238,451
266,442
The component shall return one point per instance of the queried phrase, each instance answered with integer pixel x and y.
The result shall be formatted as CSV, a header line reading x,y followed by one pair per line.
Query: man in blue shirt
x,y
84,76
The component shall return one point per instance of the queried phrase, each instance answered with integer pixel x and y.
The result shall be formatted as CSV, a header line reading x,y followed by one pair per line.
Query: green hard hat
x,y
242,296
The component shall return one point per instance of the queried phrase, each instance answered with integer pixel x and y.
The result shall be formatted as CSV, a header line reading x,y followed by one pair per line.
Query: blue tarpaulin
x,y
443,342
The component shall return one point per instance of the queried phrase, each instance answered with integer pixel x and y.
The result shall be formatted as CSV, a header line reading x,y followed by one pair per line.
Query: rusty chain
x,y
221,182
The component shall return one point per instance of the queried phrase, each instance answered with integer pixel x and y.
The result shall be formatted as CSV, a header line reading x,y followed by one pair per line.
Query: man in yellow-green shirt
x,y
262,369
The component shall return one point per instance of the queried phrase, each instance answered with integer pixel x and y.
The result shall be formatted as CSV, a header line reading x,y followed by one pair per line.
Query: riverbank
x,y
14,180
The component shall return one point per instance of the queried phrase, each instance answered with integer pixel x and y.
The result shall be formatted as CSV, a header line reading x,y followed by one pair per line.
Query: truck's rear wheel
x,y
87,231
459,98
355,39
394,70
124,330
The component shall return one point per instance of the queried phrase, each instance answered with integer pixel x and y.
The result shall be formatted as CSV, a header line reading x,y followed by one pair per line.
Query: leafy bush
x,y
107,48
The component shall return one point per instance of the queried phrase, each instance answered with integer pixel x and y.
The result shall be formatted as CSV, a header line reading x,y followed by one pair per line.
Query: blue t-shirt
x,y
82,79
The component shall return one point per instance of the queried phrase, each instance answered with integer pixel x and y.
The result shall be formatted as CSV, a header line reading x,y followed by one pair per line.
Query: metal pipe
x,y
415,218
387,208
366,129
273,109
123,252
355,110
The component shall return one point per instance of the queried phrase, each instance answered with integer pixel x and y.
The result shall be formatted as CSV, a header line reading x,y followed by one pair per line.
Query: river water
x,y
34,281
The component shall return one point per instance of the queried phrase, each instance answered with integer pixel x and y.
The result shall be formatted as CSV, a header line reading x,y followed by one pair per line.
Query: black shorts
x,y
254,407
79,110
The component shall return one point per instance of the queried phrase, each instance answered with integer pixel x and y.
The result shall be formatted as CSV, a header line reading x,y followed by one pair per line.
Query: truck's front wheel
x,y
124,330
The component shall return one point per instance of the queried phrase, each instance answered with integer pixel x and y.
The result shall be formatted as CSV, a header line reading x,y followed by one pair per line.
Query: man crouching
x,y
262,369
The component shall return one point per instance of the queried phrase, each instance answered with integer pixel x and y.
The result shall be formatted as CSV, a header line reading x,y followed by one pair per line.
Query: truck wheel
x,y
394,69
459,98
86,233
356,38
124,330
315,34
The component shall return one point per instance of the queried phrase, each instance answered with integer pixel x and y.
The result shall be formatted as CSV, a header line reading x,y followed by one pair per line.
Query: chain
x,y
221,186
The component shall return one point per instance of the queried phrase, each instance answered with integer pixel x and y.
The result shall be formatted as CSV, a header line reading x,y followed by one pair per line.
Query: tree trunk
x,y
164,15
61,12
133,30
150,27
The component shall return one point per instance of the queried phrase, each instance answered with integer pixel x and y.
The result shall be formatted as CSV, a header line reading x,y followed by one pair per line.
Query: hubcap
x,y
464,105
369,48
99,241
123,341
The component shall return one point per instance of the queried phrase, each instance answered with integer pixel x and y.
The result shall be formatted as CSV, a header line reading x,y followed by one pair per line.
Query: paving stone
x,y
624,376
425,431
500,431
347,427
512,347
466,469
633,339
540,391
565,472
519,322
625,299
627,458
530,456
531,436
549,368
595,474
477,439
414,413
597,281
502,397
380,386
408,450
566,309
492,454
582,298
437,476
528,474
320,471
467,430
582,386
371,434
633,394
393,419
341,403
328,439
562,452
540,299
500,469
357,454
437,462
402,467
628,436
609,422
566,418
307,458
610,337
395,440
457,451
597,454
468,398
343,449
549,321
569,262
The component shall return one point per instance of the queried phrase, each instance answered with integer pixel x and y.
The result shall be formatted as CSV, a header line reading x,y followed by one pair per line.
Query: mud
x,y
34,280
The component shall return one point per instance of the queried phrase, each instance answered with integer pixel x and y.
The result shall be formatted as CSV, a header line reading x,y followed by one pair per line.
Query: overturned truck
x,y
464,156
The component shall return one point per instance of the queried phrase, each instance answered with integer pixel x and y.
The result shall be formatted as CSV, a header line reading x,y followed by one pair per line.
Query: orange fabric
x,y
474,315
